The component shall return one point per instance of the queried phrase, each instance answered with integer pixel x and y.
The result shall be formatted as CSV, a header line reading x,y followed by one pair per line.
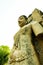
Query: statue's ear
x,y
37,28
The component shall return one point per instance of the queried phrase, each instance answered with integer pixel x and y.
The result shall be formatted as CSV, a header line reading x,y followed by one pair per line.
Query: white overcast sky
x,y
10,10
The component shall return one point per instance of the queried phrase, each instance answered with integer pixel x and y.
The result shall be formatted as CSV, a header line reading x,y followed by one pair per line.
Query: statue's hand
x,y
19,55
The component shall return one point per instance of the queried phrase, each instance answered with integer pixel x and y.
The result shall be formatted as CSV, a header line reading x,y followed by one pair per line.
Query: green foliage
x,y
4,54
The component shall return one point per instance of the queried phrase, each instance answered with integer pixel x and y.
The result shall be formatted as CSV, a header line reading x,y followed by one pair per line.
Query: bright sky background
x,y
10,10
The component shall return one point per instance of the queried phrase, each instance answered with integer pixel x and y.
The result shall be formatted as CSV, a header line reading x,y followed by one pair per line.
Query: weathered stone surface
x,y
37,28
24,53
40,47
36,15
38,40
28,41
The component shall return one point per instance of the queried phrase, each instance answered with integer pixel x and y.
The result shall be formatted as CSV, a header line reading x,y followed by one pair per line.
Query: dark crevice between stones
x,y
36,45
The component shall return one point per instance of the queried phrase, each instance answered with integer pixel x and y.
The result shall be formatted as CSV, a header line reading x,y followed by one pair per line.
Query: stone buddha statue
x,y
28,41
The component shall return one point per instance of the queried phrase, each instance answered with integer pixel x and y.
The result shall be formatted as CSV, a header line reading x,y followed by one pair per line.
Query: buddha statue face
x,y
22,20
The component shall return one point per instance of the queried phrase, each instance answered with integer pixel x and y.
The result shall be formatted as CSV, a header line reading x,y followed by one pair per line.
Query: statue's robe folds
x,y
23,52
